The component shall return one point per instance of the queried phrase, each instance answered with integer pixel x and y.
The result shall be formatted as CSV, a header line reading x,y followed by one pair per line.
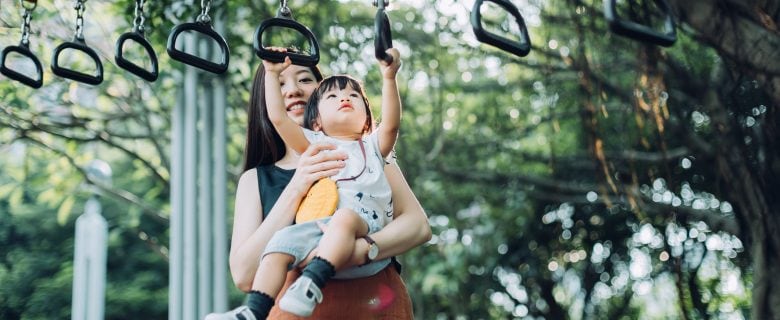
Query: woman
x,y
271,188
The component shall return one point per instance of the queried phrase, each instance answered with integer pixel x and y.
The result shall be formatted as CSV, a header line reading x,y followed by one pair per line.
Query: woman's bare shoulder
x,y
248,181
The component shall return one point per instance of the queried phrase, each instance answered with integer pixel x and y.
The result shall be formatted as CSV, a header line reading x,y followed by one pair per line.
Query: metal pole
x,y
190,284
176,269
219,190
205,274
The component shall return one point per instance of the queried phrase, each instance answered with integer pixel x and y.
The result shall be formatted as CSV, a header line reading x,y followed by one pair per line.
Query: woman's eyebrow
x,y
303,71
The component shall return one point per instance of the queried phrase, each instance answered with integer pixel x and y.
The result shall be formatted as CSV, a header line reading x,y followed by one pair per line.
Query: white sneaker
x,y
240,313
301,298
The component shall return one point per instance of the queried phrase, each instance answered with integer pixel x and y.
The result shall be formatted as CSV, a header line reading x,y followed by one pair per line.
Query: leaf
x,y
65,209
6,189
15,199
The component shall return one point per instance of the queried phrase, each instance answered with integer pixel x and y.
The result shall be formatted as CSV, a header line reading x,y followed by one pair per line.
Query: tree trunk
x,y
745,33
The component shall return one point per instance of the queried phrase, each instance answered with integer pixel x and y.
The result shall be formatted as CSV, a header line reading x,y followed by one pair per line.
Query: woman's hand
x,y
390,70
275,68
317,162
359,253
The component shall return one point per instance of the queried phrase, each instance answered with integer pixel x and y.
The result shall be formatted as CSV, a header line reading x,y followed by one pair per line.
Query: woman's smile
x,y
296,108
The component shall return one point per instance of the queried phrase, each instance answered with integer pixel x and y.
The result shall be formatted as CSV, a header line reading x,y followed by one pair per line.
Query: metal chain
x,y
138,22
80,19
203,17
26,16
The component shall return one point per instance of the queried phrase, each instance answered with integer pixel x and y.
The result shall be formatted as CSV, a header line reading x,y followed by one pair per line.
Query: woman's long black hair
x,y
263,144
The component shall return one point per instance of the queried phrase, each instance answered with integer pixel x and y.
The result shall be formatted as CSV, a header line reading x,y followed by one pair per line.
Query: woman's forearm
x,y
409,227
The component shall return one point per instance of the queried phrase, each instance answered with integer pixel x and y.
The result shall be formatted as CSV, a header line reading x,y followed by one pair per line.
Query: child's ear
x,y
316,125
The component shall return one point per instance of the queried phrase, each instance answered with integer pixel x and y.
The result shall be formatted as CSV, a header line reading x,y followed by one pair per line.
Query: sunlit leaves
x,y
65,209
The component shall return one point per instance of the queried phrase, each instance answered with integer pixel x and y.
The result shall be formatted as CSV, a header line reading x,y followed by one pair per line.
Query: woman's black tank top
x,y
271,181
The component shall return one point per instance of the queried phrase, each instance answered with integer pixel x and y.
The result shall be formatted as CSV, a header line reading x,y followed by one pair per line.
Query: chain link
x,y
27,16
205,6
80,19
27,10
138,22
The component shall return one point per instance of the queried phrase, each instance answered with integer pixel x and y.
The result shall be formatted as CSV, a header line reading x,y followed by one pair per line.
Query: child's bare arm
x,y
391,104
290,132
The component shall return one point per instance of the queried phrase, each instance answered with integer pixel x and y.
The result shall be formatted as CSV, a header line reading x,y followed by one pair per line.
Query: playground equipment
x,y
137,35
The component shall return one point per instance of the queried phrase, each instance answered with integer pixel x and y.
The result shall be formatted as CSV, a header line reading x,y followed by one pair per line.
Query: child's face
x,y
342,112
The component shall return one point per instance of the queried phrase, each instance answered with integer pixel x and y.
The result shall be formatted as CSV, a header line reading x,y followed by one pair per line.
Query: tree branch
x,y
120,194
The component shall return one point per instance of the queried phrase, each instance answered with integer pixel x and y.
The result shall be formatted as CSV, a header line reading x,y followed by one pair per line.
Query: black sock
x,y
260,304
319,271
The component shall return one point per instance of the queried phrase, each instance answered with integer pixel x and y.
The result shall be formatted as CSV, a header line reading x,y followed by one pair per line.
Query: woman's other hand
x,y
359,253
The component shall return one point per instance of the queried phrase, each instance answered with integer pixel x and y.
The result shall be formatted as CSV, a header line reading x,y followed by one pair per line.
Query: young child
x,y
337,112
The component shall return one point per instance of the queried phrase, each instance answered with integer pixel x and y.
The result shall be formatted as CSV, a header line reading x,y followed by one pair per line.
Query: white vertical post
x,y
175,271
89,265
189,213
204,178
219,190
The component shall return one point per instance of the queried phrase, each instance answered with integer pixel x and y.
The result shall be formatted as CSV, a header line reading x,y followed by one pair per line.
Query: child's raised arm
x,y
290,132
391,104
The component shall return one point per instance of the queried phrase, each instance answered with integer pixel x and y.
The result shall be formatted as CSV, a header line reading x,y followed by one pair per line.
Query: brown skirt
x,y
381,296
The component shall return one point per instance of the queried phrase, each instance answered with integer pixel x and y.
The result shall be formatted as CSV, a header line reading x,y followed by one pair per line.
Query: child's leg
x,y
269,278
338,241
333,251
336,246
271,273
268,281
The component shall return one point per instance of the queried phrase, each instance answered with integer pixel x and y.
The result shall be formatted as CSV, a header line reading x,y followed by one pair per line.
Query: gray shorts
x,y
299,240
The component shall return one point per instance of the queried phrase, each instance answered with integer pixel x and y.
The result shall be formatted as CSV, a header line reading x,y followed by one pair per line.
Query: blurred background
x,y
598,177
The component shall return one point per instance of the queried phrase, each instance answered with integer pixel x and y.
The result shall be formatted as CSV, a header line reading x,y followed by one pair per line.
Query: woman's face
x,y
297,83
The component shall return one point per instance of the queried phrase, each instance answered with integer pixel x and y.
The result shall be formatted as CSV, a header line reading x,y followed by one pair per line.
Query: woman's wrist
x,y
298,187
360,254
